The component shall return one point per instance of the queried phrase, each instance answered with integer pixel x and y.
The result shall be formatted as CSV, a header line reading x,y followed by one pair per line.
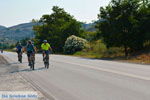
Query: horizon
x,y
17,12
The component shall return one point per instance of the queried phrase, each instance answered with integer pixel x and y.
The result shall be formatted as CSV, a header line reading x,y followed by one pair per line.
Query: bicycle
x,y
32,61
1,50
20,57
46,61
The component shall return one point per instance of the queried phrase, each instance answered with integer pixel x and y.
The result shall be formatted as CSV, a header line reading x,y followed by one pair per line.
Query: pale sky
x,y
13,12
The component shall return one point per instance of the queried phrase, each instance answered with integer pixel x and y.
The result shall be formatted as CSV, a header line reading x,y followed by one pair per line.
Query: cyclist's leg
x,y
34,55
28,55
44,54
18,55
47,54
33,59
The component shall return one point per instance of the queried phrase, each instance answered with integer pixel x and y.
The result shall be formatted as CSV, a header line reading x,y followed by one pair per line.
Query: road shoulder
x,y
14,81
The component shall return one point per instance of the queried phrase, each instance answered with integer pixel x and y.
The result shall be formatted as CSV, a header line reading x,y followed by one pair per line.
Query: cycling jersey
x,y
45,46
19,48
30,48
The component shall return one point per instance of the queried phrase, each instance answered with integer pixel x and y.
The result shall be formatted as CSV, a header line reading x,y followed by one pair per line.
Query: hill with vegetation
x,y
2,27
16,33
25,30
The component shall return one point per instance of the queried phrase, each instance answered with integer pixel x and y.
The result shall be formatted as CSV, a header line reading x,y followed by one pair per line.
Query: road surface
x,y
74,78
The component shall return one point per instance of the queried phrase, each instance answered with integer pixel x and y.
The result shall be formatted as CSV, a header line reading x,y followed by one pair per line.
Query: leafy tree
x,y
23,41
90,36
120,27
56,27
144,19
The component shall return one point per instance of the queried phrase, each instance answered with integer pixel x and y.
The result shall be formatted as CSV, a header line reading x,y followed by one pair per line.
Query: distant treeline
x,y
6,46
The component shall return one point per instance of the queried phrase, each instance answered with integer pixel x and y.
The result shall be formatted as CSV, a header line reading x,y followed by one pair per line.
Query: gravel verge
x,y
14,81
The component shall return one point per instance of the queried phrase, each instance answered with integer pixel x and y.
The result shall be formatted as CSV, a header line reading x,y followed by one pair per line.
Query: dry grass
x,y
117,54
143,58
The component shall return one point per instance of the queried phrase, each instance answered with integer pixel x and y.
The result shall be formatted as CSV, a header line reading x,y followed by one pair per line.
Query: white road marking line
x,y
111,71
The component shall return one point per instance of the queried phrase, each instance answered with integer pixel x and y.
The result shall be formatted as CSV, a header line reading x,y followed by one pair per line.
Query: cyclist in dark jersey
x,y
19,49
30,49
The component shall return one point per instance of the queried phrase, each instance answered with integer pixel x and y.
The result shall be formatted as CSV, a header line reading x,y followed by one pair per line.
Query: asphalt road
x,y
74,78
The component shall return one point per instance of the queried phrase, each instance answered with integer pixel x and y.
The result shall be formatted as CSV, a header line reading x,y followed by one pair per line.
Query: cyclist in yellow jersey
x,y
46,48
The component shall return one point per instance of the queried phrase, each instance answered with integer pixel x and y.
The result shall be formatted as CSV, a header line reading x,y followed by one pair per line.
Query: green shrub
x,y
74,44
98,47
90,36
113,52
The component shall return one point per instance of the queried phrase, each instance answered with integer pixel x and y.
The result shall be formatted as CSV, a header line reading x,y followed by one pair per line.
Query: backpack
x,y
30,48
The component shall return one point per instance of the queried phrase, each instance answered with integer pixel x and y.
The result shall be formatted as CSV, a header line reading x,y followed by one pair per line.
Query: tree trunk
x,y
126,51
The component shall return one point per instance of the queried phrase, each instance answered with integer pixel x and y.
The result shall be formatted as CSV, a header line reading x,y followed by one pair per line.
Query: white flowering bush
x,y
74,44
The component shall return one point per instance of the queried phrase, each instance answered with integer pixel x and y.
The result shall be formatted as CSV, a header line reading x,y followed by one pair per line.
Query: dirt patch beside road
x,y
5,67
14,81
3,60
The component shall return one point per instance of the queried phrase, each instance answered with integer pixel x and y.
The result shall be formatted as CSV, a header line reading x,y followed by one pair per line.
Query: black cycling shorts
x,y
19,51
29,53
46,52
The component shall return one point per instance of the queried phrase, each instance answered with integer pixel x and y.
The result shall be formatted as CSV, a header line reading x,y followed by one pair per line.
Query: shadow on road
x,y
17,63
28,70
108,58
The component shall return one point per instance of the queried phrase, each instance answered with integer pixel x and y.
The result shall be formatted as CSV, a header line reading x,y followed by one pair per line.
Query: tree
x,y
23,42
56,27
120,27
144,19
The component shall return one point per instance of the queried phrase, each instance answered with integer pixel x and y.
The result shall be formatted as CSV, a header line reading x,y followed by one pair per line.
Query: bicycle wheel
x,y
20,59
32,61
32,65
47,65
46,62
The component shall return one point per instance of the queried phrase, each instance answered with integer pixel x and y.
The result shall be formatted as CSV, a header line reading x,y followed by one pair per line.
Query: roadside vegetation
x,y
121,32
123,27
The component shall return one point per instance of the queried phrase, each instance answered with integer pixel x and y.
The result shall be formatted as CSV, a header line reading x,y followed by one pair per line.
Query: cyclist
x,y
30,49
1,50
19,49
46,48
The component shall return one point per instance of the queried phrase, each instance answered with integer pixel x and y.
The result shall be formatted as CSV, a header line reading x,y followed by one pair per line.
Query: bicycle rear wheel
x,y
20,59
32,64
46,61
46,65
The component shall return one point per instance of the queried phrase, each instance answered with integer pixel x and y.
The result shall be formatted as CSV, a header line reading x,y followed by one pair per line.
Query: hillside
x,y
18,32
89,27
2,27
22,31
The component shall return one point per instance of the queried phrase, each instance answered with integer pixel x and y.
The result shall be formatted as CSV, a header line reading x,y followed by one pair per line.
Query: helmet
x,y
19,43
45,41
